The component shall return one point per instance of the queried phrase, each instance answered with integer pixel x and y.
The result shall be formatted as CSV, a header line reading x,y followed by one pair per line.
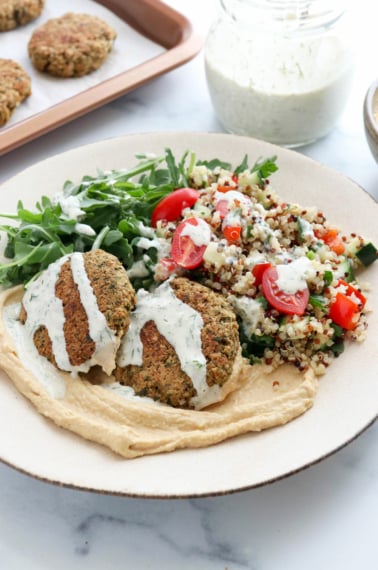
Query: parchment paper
x,y
129,50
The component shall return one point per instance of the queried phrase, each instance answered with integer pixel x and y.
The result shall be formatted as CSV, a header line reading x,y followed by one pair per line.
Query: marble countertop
x,y
322,517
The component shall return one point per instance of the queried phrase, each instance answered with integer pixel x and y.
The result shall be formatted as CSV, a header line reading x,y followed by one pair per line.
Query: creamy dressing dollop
x,y
200,234
292,277
249,310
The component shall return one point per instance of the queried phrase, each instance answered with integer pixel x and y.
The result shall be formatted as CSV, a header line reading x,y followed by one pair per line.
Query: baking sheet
x,y
129,50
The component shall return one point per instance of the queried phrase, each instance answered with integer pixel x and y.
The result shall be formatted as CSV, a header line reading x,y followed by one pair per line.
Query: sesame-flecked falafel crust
x,y
15,13
115,298
15,86
72,45
161,377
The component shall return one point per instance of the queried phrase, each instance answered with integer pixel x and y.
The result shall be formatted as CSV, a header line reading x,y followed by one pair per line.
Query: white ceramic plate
x,y
347,401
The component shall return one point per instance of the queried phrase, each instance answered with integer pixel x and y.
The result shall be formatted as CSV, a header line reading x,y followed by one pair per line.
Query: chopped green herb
x,y
328,278
264,168
317,301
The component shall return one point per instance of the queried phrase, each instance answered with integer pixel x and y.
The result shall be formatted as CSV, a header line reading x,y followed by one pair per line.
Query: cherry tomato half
x,y
185,252
258,270
288,303
165,267
172,205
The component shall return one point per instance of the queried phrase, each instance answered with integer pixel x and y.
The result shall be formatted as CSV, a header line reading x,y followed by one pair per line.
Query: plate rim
x,y
162,134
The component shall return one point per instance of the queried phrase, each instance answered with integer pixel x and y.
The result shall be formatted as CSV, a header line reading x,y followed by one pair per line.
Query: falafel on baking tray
x,y
15,13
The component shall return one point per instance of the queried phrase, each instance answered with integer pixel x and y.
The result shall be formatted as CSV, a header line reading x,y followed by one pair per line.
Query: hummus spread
x,y
98,408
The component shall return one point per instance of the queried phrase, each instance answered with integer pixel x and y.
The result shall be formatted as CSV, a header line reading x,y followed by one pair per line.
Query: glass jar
x,y
279,70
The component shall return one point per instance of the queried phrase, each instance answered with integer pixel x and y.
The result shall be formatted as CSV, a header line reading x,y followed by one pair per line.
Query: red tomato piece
x,y
232,233
288,303
165,267
222,208
185,252
344,312
258,271
350,290
225,188
333,239
171,206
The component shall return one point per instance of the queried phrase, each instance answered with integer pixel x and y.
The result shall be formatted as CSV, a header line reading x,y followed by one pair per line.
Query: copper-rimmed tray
x,y
153,20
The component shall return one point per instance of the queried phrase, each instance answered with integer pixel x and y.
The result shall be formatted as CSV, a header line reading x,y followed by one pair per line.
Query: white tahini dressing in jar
x,y
279,71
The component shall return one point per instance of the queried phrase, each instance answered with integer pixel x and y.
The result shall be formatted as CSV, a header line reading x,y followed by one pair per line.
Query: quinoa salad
x,y
290,275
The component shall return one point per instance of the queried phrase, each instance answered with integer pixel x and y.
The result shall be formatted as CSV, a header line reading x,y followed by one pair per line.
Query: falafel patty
x,y
15,86
14,13
72,45
161,376
114,296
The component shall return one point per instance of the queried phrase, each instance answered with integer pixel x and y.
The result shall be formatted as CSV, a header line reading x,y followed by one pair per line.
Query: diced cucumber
x,y
345,270
213,256
367,254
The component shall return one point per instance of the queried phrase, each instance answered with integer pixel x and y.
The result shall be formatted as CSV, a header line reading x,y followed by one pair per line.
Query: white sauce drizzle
x,y
306,228
249,310
232,196
145,230
138,269
181,326
102,335
70,206
45,309
146,243
39,366
232,219
292,277
84,229
199,234
128,393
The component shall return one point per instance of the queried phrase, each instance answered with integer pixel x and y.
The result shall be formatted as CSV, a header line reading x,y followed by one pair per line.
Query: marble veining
x,y
321,518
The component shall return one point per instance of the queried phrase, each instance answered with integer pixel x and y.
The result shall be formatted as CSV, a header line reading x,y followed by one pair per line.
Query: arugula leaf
x,y
242,166
172,167
215,163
